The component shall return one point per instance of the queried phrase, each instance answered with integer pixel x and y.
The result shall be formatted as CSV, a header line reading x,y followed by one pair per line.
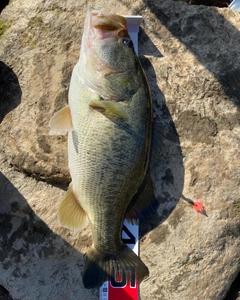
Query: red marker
x,y
199,207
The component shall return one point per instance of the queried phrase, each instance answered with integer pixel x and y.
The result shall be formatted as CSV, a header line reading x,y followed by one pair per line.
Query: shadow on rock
x,y
198,30
166,162
35,263
10,91
4,294
234,291
3,4
146,46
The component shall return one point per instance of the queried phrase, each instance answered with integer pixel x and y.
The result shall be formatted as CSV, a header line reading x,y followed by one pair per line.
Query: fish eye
x,y
127,42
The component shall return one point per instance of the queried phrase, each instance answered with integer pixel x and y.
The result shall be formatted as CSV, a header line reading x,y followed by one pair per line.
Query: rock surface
x,y
190,55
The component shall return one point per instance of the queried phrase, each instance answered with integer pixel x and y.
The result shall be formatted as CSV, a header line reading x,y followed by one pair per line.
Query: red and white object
x,y
124,286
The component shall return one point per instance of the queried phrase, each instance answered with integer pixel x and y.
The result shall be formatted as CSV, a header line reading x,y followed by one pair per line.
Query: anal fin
x,y
71,214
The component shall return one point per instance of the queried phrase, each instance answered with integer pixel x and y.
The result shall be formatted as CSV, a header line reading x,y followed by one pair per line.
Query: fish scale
x,y
109,124
109,154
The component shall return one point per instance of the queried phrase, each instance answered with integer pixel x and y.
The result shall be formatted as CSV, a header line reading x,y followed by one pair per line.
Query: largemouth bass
x,y
109,124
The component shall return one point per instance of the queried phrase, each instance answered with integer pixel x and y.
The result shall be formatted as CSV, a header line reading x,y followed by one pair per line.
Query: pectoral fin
x,y
61,122
111,107
71,214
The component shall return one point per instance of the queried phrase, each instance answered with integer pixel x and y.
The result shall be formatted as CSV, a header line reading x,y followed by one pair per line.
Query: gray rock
x,y
190,54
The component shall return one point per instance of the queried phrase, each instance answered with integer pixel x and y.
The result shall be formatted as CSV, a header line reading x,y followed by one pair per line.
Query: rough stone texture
x,y
191,58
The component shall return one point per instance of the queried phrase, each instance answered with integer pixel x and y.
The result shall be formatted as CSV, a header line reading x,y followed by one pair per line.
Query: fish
x,y
109,123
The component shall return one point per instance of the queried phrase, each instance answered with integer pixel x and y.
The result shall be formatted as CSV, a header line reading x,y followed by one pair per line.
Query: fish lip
x,y
108,22
105,26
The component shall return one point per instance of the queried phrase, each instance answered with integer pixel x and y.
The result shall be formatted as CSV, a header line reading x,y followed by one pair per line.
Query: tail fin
x,y
101,266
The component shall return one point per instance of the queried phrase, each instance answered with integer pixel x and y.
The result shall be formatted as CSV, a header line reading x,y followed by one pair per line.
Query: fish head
x,y
106,49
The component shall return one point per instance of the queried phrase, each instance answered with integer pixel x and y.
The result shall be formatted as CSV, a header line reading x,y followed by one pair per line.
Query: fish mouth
x,y
106,26
108,22
100,31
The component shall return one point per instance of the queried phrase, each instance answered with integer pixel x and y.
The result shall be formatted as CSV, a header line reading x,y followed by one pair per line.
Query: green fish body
x,y
109,124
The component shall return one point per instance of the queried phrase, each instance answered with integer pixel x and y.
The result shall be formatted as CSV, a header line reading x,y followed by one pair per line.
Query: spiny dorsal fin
x,y
71,214
110,107
61,122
